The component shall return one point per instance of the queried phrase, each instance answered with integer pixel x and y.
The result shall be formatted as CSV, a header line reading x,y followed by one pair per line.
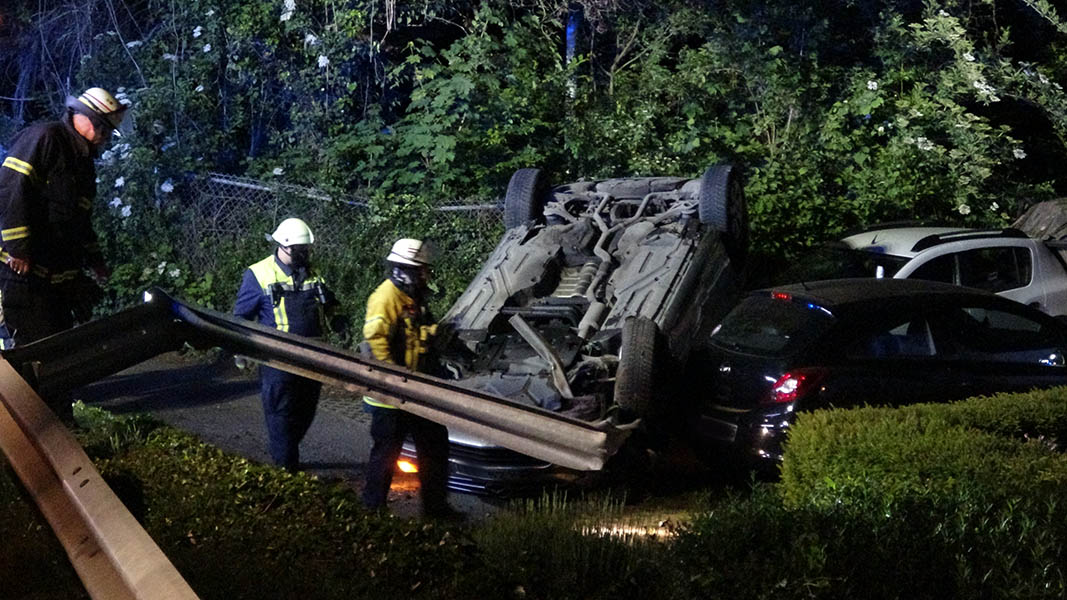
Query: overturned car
x,y
592,297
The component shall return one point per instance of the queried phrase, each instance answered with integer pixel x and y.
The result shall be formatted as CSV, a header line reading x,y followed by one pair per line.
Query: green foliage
x,y
554,548
955,545
1006,445
842,114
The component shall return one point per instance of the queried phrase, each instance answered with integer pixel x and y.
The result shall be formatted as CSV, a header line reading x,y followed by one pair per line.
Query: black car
x,y
854,342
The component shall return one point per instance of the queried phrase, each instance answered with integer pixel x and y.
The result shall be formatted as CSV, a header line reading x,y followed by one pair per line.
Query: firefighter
x,y
284,291
47,187
398,329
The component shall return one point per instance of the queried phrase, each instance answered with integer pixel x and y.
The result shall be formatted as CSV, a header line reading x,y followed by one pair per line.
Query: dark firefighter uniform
x,y
47,187
292,300
399,330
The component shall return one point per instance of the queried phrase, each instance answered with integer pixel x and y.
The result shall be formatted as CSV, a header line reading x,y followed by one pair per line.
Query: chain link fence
x,y
225,219
224,209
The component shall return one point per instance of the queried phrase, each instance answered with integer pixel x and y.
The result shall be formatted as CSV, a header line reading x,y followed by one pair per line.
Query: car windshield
x,y
837,260
771,326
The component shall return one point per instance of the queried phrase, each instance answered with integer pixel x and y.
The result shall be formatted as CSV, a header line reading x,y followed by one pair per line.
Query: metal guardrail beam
x,y
86,353
112,554
542,434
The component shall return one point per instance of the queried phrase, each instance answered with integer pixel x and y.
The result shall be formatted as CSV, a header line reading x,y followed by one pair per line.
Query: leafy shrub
x,y
939,545
999,444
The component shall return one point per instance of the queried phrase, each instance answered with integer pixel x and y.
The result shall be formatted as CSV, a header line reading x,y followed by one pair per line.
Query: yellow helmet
x,y
99,105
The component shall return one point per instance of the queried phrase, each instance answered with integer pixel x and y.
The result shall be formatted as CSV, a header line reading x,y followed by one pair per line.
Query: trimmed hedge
x,y
1005,446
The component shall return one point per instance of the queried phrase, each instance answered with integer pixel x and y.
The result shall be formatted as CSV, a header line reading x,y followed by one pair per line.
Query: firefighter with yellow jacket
x,y
398,329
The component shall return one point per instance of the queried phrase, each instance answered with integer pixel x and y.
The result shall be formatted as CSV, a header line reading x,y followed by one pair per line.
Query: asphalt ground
x,y
208,396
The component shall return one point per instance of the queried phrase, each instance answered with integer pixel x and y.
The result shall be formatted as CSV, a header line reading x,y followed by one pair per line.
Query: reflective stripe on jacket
x,y
270,295
398,330
47,187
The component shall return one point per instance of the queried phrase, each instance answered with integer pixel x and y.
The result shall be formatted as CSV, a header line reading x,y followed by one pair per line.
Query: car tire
x,y
634,384
723,207
525,199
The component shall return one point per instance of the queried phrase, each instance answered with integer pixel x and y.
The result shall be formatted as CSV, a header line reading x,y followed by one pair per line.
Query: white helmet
x,y
292,232
409,252
99,105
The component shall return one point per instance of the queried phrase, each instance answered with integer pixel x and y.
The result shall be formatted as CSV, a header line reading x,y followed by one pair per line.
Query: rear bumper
x,y
755,439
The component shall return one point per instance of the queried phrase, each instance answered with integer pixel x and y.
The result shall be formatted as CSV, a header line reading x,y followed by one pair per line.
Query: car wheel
x,y
525,199
723,207
634,384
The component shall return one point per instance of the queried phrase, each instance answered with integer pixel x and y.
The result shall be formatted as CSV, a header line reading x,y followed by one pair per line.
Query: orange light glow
x,y
406,466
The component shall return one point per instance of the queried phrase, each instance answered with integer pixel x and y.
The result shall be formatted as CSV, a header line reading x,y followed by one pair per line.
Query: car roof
x,y
834,293
898,241
909,241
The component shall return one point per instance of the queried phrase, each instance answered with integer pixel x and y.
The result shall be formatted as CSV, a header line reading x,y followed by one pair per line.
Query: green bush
x,y
941,545
1005,445
554,548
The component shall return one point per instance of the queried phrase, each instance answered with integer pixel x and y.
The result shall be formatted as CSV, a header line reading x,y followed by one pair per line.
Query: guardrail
x,y
112,554
91,522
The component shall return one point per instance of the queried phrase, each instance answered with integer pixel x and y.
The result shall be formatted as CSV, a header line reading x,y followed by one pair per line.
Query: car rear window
x,y
771,326
838,260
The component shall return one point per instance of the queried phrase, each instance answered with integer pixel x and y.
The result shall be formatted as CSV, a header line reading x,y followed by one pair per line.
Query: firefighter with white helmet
x,y
284,291
398,329
47,188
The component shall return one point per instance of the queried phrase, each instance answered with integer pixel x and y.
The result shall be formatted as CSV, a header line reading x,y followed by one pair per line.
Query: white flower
x,y
324,61
881,129
278,170
964,209
121,181
311,39
288,10
872,85
1019,153
994,207
986,91
207,47
126,210
942,13
174,272
170,57
121,90
107,155
134,44
209,13
199,88
115,202
967,56
167,187
923,143
197,31
161,267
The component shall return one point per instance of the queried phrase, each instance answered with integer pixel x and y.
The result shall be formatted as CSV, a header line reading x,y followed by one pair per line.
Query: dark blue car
x,y
855,342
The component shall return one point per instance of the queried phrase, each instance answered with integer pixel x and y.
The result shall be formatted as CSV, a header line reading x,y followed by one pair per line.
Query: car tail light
x,y
781,296
406,466
795,385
